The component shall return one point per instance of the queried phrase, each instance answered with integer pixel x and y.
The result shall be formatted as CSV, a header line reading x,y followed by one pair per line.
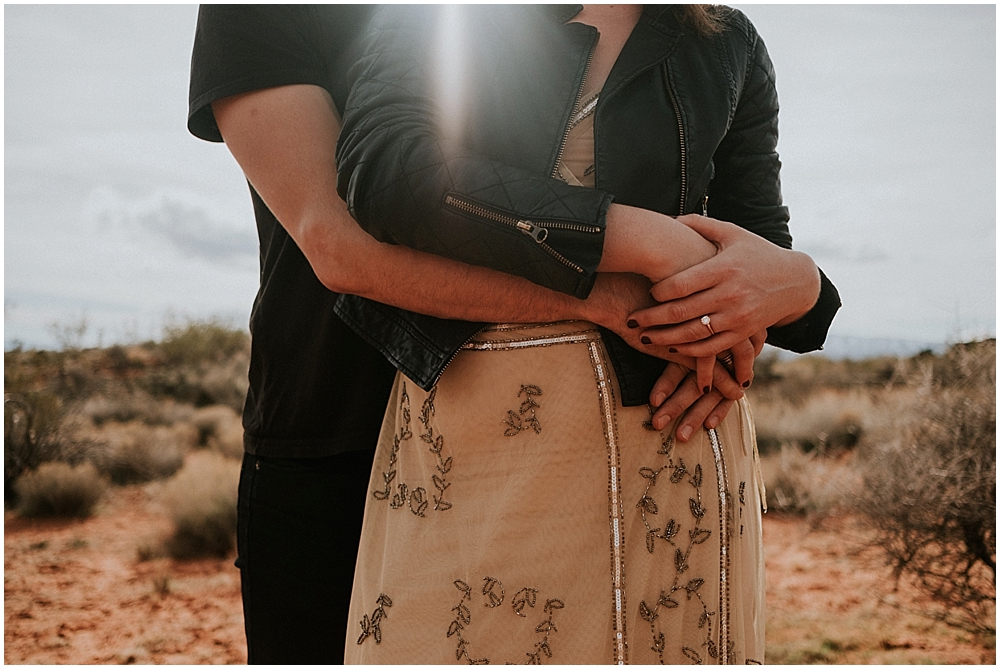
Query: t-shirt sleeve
x,y
241,48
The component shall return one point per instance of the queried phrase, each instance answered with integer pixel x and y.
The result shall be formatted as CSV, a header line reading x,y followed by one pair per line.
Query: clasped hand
x,y
749,285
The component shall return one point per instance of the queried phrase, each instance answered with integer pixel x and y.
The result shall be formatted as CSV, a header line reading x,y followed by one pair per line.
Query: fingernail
x,y
746,384
658,399
684,433
672,349
706,389
645,340
711,422
632,323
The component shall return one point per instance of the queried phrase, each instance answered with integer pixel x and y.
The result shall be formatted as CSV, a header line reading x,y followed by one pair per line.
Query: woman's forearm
x,y
645,242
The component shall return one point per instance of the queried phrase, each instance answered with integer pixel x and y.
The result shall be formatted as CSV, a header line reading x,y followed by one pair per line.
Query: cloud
x,y
193,231
192,226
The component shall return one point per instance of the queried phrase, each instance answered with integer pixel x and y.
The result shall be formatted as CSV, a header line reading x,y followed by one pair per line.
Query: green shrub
x,y
57,489
202,503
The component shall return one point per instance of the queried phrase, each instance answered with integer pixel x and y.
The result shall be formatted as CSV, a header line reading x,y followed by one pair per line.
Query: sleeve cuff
x,y
809,332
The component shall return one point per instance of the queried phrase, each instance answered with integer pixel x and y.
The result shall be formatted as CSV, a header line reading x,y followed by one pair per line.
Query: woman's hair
x,y
705,20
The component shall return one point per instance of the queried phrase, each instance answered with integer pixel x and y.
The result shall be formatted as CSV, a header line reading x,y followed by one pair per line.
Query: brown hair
x,y
705,20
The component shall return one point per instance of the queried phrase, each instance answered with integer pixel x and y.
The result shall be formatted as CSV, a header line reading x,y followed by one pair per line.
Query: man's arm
x,y
284,139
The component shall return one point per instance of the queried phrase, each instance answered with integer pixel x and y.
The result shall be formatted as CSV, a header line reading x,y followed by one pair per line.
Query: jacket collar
x,y
560,13
653,39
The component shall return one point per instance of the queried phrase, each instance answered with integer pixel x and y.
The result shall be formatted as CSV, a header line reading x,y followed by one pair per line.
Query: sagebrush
x,y
202,503
59,489
930,494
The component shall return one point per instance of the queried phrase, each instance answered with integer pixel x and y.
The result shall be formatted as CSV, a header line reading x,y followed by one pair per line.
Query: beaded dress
x,y
519,513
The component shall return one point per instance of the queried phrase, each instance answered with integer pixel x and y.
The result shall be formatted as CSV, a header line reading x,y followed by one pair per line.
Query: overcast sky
x,y
114,214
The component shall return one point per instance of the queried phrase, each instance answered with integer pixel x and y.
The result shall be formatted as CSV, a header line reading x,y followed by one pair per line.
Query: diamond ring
x,y
707,322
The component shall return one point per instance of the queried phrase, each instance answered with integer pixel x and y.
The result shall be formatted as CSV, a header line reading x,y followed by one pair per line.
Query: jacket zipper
x,y
683,140
537,231
576,106
455,354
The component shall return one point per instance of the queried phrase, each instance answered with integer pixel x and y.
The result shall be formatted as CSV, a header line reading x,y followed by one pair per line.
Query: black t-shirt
x,y
316,388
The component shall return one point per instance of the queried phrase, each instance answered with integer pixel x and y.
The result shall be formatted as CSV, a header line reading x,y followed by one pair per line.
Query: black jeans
x,y
297,539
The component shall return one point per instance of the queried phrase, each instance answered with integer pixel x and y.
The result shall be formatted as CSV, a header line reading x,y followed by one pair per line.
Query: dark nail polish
x,y
746,384
632,323
706,389
672,349
645,340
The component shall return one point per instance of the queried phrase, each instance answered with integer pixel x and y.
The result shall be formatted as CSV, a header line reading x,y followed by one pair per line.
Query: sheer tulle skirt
x,y
518,513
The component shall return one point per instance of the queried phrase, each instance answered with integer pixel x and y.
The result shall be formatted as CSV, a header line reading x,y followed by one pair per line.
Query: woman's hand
x,y
750,285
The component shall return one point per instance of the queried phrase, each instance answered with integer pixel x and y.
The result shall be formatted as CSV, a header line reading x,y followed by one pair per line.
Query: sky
x,y
117,218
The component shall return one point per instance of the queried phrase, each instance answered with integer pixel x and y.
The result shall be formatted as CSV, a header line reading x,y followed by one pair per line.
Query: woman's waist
x,y
512,336
422,346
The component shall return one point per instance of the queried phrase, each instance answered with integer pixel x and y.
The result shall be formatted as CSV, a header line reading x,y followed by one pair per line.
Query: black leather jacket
x,y
471,182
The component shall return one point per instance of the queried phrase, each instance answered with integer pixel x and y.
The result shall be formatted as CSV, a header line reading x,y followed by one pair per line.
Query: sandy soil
x,y
75,592
831,601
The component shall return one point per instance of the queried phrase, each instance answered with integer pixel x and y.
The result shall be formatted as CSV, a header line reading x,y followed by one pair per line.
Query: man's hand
x,y
686,399
750,285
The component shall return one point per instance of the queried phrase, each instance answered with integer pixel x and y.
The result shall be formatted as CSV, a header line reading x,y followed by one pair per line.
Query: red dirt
x,y
75,592
831,600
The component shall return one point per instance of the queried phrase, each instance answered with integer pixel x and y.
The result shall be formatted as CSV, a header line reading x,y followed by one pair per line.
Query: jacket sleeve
x,y
746,188
406,183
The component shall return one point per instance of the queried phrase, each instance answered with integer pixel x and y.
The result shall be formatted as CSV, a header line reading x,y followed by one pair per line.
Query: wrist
x,y
807,286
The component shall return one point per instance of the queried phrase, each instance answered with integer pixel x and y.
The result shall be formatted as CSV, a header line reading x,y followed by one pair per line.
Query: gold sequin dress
x,y
519,513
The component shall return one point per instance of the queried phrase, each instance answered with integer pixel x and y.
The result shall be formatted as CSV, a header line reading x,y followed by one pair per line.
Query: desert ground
x,y
121,464
79,592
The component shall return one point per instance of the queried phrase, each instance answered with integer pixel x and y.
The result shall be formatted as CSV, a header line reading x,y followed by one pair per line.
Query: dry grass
x,y
57,489
202,503
806,482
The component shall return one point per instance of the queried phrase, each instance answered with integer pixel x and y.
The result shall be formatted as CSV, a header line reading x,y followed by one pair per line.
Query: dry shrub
x,y
227,382
125,407
930,494
202,503
57,489
204,383
195,342
32,434
135,452
827,420
220,429
806,482
204,363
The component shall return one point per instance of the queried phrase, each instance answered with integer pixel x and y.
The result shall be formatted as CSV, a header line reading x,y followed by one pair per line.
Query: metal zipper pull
x,y
704,205
539,234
